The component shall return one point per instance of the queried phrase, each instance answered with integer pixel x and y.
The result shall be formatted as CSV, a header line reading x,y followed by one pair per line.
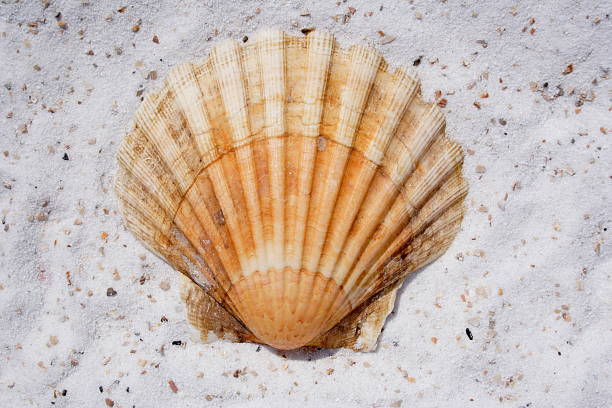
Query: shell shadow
x,y
305,353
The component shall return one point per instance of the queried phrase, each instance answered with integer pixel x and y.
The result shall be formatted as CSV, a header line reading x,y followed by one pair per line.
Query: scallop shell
x,y
295,183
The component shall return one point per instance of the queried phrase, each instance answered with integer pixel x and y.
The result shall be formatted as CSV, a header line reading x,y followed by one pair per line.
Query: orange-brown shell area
x,y
296,183
271,308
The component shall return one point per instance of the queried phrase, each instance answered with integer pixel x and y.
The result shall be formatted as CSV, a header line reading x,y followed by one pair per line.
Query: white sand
x,y
529,274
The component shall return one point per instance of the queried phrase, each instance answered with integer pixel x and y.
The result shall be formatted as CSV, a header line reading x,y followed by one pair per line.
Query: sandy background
x,y
529,274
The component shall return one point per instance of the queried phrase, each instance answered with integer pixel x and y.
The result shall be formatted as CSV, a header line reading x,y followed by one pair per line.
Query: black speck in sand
x,y
469,333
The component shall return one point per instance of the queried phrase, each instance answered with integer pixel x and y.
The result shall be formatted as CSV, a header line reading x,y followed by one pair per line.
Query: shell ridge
x,y
239,232
183,82
146,226
214,171
189,262
220,278
172,94
418,255
272,64
141,161
197,268
271,61
254,292
361,232
130,195
450,193
212,234
421,139
221,219
395,99
365,65
444,202
194,147
173,136
354,95
414,256
403,210
399,94
156,133
432,179
438,207
226,223
223,167
226,62
320,48
345,124
229,75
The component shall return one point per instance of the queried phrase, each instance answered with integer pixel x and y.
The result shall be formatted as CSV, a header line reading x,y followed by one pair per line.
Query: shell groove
x,y
296,182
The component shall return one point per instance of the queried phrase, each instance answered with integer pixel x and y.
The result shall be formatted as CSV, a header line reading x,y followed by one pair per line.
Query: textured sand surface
x,y
89,318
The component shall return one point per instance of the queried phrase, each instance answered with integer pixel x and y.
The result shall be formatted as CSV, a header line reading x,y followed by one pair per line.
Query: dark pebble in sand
x,y
469,333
